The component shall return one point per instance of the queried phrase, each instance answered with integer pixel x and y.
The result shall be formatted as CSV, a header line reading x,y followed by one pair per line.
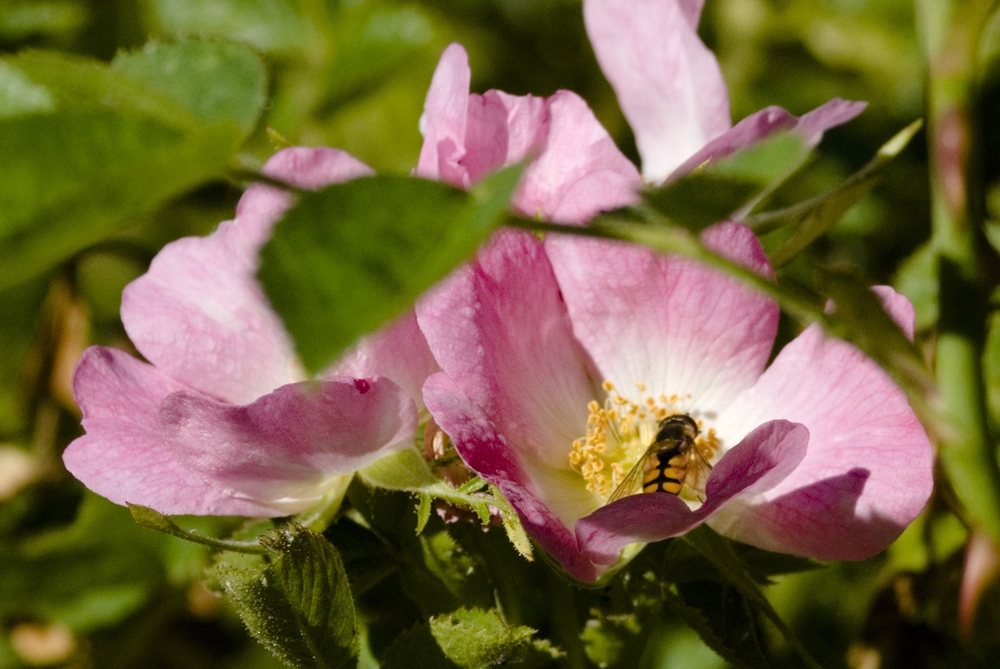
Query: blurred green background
x,y
82,586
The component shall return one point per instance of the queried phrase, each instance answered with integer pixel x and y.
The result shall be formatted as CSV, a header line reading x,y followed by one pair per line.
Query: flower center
x,y
619,433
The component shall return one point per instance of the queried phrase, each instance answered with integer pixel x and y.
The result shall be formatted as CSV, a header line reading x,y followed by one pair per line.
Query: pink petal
x,y
499,329
468,136
692,11
281,449
124,455
502,130
746,133
199,314
444,120
668,83
580,172
868,470
759,462
487,452
668,323
836,112
398,351
899,308
760,125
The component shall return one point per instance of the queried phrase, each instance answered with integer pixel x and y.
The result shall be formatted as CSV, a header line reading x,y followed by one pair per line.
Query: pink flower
x,y
224,421
576,170
549,349
671,90
560,358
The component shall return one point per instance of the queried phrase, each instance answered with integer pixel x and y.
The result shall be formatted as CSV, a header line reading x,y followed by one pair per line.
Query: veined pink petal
x,y
868,470
123,455
282,448
444,120
398,351
668,83
580,172
760,125
759,462
499,329
670,324
487,451
199,314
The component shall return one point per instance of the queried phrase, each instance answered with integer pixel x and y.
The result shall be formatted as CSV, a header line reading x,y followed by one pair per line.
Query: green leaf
x,y
716,190
477,639
416,648
299,606
736,635
218,82
719,551
22,19
367,560
614,640
762,564
113,146
512,525
271,26
88,575
407,471
816,216
19,94
22,305
696,619
461,572
348,258
76,178
84,84
375,44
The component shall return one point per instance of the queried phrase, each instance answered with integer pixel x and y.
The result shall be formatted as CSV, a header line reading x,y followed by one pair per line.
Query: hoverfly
x,y
667,464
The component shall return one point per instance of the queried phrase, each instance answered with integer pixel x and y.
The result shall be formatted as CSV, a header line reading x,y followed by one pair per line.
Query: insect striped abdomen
x,y
667,470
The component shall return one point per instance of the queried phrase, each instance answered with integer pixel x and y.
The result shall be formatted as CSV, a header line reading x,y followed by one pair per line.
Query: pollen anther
x,y
619,430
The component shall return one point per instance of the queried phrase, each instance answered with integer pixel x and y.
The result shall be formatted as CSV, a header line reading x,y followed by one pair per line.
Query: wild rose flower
x,y
671,90
224,421
561,358
541,342
576,170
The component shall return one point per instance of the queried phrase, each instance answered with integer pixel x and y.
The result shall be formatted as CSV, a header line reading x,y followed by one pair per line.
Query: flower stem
x,y
951,31
565,620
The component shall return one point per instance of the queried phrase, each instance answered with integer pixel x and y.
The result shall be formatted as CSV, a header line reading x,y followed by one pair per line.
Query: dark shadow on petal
x,y
819,520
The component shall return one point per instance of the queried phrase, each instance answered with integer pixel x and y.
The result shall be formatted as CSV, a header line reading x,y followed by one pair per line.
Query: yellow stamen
x,y
619,430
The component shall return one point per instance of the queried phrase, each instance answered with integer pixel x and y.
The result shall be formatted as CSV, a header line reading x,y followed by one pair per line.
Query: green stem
x,y
951,31
565,621
155,520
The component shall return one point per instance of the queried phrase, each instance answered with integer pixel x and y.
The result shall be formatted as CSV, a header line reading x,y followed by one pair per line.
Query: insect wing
x,y
697,473
633,479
